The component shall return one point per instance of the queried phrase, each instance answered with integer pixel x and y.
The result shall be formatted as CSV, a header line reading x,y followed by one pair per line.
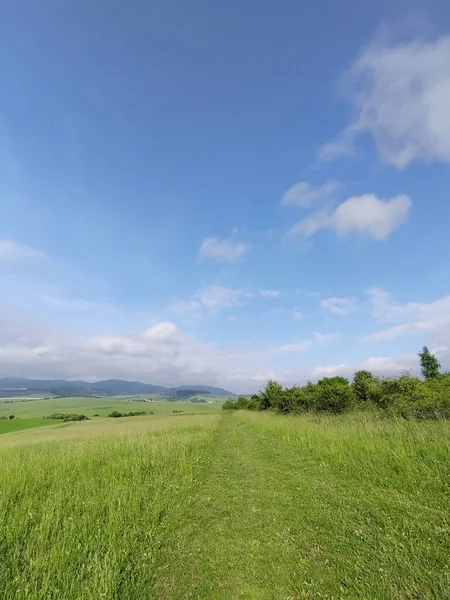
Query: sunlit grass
x,y
8,426
226,507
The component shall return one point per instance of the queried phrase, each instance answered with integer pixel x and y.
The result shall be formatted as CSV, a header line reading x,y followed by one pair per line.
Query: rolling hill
x,y
17,386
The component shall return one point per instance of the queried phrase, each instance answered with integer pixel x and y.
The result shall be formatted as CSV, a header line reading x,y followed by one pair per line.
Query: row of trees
x,y
404,395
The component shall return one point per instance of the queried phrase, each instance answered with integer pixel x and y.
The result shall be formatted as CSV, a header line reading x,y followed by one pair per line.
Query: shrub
x,y
396,390
11,417
255,402
242,402
115,414
271,396
229,405
405,395
177,411
291,400
333,395
67,417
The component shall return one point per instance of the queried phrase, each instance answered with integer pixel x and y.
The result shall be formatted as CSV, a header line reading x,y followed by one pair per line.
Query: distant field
x,y
18,424
226,507
100,406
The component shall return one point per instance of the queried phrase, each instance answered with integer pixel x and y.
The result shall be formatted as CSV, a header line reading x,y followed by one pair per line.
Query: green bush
x,y
229,405
405,395
117,415
363,382
271,396
67,417
333,395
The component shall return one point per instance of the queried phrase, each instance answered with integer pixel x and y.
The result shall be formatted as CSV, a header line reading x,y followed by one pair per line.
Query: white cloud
x,y
379,365
432,318
12,253
283,349
164,355
162,332
401,94
366,215
212,298
304,194
221,249
161,354
116,344
370,215
312,224
338,306
393,332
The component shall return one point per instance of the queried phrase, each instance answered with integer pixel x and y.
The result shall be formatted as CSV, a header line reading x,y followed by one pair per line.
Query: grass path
x,y
272,520
226,507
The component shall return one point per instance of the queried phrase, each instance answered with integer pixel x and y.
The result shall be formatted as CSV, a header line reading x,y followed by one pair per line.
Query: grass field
x,y
226,506
19,424
99,406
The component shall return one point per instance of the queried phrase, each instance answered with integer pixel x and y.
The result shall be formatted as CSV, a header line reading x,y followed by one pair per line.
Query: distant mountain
x,y
209,389
18,386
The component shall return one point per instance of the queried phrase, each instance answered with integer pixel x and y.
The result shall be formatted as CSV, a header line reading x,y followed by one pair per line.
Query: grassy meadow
x,y
7,426
226,506
30,409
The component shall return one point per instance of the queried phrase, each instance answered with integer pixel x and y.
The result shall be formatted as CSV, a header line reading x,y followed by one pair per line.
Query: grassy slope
x,y
227,506
100,406
85,517
18,424
298,508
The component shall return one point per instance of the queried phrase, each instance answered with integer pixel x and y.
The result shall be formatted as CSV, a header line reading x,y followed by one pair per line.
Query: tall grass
x,y
239,505
85,518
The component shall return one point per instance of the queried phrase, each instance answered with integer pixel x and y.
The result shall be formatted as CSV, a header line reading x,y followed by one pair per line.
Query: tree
x,y
11,417
362,384
271,396
429,364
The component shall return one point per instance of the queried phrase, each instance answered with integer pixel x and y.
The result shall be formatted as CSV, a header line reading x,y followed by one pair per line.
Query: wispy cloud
x,y
12,253
304,194
324,337
412,317
212,298
401,95
338,306
222,249
365,215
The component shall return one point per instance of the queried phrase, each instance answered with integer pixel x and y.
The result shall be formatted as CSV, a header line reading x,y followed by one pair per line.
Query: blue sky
x,y
220,194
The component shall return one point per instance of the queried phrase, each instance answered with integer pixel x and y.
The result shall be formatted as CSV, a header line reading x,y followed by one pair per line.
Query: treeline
x,y
405,395
67,417
115,414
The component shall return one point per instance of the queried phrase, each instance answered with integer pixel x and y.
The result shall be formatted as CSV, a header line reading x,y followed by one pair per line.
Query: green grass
x,y
18,424
100,406
226,506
